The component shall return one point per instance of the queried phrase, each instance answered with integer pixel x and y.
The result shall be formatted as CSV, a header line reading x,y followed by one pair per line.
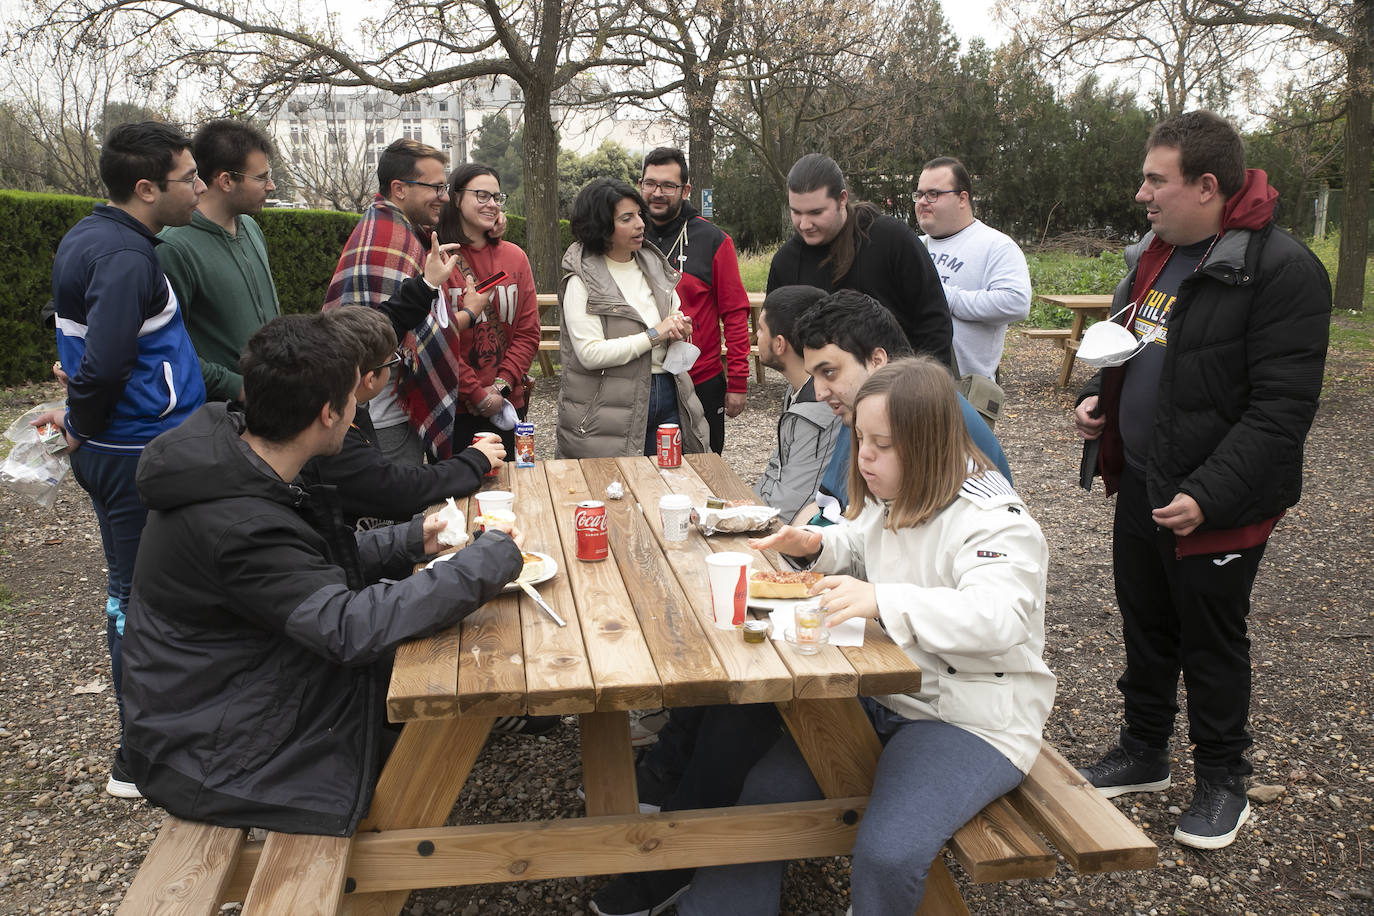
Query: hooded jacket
x,y
807,431
604,413
711,292
1242,370
256,654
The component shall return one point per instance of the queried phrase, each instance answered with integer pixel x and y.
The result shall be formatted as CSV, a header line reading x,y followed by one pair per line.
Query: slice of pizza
x,y
770,584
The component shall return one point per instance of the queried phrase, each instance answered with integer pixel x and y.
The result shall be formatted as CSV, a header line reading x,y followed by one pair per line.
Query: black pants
x,y
1183,614
711,394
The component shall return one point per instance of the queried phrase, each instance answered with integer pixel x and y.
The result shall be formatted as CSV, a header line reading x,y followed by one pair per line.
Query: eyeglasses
x,y
483,197
194,177
649,186
438,187
396,358
932,195
265,179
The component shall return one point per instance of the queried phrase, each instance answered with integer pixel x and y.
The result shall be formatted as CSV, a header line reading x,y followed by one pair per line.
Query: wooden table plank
x,y
882,667
622,668
558,679
299,874
757,674
608,763
689,671
187,870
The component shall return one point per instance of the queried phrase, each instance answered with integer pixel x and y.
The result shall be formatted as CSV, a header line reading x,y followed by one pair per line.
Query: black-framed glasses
x,y
483,196
396,359
649,186
265,179
438,187
931,195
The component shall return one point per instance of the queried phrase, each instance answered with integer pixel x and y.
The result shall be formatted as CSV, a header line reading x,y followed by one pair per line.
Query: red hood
x,y
1252,207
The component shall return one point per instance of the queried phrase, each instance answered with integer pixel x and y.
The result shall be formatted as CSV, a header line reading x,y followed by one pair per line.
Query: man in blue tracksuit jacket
x,y
132,369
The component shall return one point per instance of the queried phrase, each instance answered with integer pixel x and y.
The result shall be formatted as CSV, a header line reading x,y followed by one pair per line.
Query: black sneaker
x,y
1218,811
120,783
532,726
644,894
1122,771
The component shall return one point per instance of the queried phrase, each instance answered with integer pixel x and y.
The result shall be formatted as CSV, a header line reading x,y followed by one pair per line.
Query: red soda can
x,y
495,468
669,445
589,521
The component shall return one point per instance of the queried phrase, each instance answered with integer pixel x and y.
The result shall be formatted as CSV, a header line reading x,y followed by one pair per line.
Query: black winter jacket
x,y
1242,372
370,486
256,656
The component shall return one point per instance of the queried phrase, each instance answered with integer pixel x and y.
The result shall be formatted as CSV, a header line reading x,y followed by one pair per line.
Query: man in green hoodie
x,y
218,264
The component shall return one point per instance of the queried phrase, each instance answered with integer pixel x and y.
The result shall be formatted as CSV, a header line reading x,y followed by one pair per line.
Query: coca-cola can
x,y
669,445
589,521
496,467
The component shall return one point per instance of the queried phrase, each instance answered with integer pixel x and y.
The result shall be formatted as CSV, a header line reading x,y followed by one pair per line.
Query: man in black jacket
x,y
1201,437
257,653
841,244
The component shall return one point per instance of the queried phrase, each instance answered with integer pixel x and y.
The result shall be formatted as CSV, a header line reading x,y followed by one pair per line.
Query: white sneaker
x,y
119,784
645,724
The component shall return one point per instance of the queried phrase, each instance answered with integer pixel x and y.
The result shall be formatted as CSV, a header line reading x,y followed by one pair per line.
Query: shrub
x,y
31,225
1054,273
303,248
517,234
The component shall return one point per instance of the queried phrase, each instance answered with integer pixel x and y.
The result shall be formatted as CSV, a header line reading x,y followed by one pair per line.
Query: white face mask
x,y
1106,344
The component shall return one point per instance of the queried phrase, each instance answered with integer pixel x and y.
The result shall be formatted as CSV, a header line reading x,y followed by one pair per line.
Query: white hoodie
x,y
964,596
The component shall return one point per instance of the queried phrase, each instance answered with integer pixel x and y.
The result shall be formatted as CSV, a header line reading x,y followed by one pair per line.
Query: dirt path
x,y
66,847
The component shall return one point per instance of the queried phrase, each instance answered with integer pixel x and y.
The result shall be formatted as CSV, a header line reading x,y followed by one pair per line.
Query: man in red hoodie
x,y
1201,437
711,291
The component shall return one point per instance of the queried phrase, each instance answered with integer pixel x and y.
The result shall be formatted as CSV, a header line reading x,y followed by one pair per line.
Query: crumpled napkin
x,y
455,533
507,417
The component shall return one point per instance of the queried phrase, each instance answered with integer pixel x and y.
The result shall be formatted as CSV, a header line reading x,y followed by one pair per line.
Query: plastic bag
x,y
31,469
734,519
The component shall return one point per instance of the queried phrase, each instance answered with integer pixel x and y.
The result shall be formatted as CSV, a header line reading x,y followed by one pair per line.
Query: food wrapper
x,y
34,467
615,490
455,534
734,519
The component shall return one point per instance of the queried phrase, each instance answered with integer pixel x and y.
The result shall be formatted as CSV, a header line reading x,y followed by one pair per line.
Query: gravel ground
x,y
66,847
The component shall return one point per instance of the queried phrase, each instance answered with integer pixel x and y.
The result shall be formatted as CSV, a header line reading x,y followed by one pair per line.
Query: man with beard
x,y
710,288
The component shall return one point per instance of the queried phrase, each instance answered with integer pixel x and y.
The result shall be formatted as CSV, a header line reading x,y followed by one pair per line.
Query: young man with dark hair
x,y
121,341
984,273
841,244
807,428
258,651
218,264
845,338
1201,437
710,288
387,247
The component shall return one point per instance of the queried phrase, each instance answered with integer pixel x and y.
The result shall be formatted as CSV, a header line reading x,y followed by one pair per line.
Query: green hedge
x,y
31,225
303,246
516,234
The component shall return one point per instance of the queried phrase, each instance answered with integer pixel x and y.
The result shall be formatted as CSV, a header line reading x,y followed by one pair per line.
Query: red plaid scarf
x,y
383,251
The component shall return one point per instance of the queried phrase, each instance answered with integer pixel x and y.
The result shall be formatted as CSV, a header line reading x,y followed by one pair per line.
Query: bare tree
x,y
261,57
63,101
326,165
1344,31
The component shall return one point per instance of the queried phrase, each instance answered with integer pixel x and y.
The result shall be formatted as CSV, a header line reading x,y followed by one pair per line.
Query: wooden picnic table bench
x,y
639,635
1067,339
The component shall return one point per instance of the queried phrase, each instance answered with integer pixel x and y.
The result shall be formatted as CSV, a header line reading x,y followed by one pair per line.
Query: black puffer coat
x,y
256,657
1242,372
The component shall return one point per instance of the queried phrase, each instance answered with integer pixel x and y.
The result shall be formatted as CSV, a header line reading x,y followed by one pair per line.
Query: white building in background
x,y
328,140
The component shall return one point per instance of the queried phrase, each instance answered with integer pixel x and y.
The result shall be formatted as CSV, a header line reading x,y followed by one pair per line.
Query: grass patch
x,y
753,270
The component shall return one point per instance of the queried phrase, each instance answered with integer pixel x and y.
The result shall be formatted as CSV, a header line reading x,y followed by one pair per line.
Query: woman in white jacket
x,y
941,551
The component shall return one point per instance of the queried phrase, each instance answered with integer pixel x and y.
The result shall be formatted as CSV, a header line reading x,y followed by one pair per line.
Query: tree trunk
x,y
701,137
541,189
1355,203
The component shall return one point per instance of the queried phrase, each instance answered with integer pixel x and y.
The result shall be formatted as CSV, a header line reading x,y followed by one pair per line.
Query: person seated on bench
x,y
257,651
938,547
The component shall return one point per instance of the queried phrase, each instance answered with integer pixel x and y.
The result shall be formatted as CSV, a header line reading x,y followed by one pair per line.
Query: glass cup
x,y
809,625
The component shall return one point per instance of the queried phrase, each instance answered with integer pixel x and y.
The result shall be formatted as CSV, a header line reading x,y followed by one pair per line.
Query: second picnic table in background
x,y
1083,308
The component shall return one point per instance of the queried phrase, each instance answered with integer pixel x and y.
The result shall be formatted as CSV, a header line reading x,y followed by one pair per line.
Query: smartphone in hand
x,y
491,281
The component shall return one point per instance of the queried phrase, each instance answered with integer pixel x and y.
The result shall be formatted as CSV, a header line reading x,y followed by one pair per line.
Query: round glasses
x,y
483,196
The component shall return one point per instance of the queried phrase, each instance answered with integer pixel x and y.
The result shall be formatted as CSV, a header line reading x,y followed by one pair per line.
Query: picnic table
x,y
639,635
1067,339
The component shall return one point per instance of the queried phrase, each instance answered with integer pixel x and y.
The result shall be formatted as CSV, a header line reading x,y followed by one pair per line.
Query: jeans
x,y
109,479
662,408
932,778
1183,614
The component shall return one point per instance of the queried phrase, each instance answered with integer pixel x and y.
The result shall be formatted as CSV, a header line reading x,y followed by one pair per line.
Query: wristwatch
x,y
653,336
500,384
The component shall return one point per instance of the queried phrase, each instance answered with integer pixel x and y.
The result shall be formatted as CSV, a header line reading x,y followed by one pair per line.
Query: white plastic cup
x,y
729,577
491,501
675,511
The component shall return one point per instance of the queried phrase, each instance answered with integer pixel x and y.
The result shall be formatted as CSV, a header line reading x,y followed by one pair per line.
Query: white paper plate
x,y
773,604
547,572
